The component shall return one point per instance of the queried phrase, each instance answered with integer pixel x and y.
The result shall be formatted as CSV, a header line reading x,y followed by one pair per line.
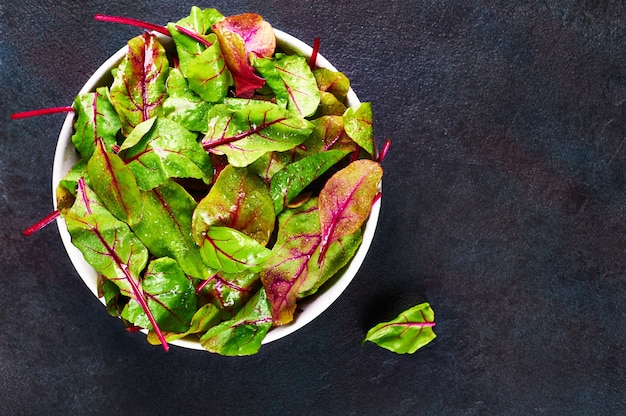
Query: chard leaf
x,y
110,247
205,317
207,73
290,181
115,184
330,105
240,200
228,250
346,200
183,105
167,150
96,119
244,135
243,334
358,125
268,71
199,21
270,163
138,88
407,333
304,96
333,82
228,291
170,296
328,133
240,36
293,269
165,227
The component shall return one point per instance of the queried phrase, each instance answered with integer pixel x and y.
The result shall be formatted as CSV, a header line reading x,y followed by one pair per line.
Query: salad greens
x,y
219,181
407,333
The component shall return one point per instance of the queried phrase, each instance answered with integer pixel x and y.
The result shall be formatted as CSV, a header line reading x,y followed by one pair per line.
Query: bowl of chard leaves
x,y
217,181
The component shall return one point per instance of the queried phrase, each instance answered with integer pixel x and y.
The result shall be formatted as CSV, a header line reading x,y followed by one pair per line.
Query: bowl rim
x,y
310,307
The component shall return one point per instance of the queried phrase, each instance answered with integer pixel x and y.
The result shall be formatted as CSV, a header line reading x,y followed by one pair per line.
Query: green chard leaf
x,y
115,184
110,247
229,250
165,227
170,296
96,119
166,150
330,105
294,269
245,134
207,73
184,106
333,82
358,124
199,22
228,291
407,333
138,88
205,317
287,183
346,199
240,200
328,133
243,334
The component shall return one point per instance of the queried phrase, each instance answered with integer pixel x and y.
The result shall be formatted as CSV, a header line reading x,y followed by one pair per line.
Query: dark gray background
x,y
504,206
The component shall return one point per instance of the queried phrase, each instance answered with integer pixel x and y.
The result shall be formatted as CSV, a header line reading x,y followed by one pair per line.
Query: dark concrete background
x,y
504,206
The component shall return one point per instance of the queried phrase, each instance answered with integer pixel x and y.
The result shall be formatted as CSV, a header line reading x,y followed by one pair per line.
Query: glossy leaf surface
x,y
407,333
184,106
207,73
239,200
138,89
95,119
243,334
358,124
167,150
170,296
346,199
231,251
245,134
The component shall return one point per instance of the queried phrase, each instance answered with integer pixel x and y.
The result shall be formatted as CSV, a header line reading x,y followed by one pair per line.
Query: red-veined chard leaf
x,y
270,163
292,81
330,105
287,183
167,150
293,269
199,22
115,184
205,317
65,192
170,296
304,96
328,133
240,200
346,199
95,119
245,134
229,250
333,82
358,124
207,73
228,291
184,106
240,36
165,227
138,88
243,334
110,247
407,333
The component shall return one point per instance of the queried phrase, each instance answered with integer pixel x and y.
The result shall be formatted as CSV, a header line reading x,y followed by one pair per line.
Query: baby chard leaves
x,y
96,119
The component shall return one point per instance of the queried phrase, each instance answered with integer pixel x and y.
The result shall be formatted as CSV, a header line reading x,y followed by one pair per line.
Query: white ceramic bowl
x,y
311,307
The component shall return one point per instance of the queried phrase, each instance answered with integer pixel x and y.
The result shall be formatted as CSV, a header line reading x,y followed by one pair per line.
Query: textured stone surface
x,y
504,206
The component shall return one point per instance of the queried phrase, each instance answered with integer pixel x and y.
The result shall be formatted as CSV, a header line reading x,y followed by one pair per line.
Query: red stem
x,y
383,151
316,49
42,223
42,112
193,35
132,22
